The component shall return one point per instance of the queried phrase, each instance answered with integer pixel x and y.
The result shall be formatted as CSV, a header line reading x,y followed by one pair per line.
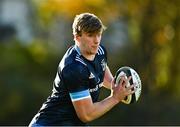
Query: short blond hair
x,y
88,23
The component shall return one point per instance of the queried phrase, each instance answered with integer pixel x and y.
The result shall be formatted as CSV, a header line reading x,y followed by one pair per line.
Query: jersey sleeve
x,y
76,81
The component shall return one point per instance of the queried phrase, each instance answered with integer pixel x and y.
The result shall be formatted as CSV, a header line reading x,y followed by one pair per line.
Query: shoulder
x,y
75,70
101,50
102,53
70,59
72,62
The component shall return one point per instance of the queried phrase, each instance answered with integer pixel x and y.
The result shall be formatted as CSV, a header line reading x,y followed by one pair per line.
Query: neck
x,y
85,54
89,57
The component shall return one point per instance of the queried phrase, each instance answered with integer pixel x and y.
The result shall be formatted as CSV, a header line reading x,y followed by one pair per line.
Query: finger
x,y
132,92
126,81
122,81
131,87
129,78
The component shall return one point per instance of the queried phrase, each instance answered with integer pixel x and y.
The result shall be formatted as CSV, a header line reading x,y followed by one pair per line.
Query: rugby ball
x,y
135,79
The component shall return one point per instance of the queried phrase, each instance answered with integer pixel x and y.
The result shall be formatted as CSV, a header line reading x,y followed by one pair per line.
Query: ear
x,y
77,38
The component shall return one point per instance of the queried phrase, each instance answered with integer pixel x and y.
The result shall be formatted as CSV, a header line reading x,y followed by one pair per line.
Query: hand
x,y
121,90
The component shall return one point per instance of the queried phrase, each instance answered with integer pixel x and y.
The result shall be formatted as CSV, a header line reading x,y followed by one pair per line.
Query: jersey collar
x,y
78,50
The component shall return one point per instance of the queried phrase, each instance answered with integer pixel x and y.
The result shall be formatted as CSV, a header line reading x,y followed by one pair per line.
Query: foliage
x,y
27,72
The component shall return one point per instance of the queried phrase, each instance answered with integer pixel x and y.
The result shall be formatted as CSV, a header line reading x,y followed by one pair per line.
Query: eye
x,y
89,34
99,34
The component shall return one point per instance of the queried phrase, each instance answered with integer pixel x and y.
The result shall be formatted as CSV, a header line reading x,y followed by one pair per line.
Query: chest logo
x,y
91,76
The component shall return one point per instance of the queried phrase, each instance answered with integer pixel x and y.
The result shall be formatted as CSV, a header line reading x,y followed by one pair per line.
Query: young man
x,y
81,73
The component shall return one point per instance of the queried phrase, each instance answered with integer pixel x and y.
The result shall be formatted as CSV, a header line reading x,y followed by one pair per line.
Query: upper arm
x,y
82,103
108,77
76,80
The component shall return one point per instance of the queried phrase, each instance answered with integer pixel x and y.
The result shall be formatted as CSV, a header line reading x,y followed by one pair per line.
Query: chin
x,y
94,52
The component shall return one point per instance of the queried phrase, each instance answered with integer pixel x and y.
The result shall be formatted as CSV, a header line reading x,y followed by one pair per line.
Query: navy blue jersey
x,y
77,78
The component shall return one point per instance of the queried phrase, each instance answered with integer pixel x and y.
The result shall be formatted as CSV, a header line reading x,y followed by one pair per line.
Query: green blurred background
x,y
142,34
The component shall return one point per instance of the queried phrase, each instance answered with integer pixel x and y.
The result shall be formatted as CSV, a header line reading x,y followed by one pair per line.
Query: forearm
x,y
92,110
102,107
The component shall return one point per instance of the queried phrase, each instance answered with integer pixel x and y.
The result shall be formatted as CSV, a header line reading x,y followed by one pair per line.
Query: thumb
x,y
113,85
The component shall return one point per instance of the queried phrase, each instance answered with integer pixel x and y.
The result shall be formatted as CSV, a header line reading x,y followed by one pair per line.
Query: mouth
x,y
95,47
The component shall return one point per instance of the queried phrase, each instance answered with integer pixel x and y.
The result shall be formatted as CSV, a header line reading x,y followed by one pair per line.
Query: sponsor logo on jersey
x,y
103,64
96,88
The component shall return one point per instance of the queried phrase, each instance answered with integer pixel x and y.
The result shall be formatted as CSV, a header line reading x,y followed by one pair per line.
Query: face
x,y
89,43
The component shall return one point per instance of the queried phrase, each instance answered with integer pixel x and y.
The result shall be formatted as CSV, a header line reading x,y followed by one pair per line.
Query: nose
x,y
97,39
